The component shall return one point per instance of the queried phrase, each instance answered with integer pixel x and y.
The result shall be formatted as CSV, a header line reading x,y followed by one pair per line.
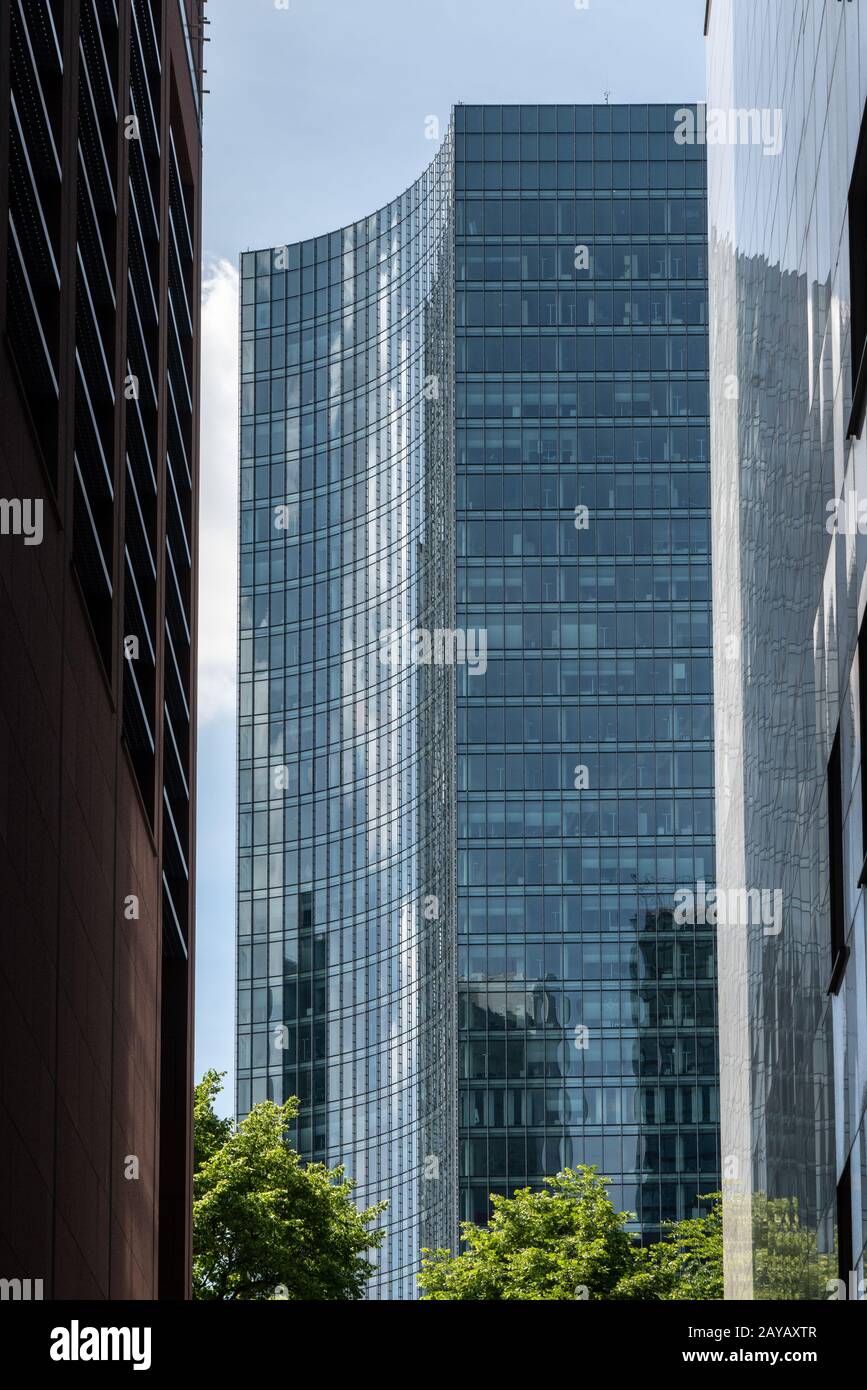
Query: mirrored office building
x,y
346,769
584,770
787,176
475,678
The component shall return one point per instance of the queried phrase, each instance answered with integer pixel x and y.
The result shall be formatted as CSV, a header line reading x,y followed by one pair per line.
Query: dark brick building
x,y
100,160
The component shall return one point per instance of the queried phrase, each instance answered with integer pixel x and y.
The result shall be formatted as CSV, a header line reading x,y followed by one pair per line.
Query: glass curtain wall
x,y
346,742
585,763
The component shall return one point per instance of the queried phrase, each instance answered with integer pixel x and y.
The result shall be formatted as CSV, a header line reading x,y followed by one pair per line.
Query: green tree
x,y
266,1225
538,1245
687,1264
210,1130
568,1242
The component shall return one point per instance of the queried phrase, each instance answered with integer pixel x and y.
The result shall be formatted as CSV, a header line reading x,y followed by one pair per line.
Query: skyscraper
x,y
346,758
100,116
787,153
475,713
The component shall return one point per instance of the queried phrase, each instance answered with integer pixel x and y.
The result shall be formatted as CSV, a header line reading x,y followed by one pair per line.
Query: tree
x,y
265,1224
687,1264
538,1245
568,1242
210,1130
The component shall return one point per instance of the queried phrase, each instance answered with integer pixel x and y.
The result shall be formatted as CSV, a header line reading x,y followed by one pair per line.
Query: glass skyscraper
x,y
346,758
584,769
479,418
787,91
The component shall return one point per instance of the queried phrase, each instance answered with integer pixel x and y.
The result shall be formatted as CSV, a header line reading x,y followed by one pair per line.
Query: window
x,y
858,282
844,1227
839,950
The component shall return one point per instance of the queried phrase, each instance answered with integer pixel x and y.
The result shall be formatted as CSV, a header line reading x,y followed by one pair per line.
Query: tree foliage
x,y
687,1264
210,1130
265,1224
568,1242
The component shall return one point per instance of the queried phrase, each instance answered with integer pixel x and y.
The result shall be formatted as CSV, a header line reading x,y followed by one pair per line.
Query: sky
x,y
318,114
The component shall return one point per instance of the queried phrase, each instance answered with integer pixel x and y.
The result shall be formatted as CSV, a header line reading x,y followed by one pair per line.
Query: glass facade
x,y
346,751
587,1016
481,414
787,253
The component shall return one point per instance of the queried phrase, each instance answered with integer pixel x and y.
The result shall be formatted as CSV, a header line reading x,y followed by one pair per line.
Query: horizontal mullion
x,y
176,268
52,43
130,569
83,493
36,315
102,75
178,845
130,672
138,72
178,594
177,753
46,119
179,431
21,144
142,260
176,183
179,354
182,692
96,128
138,174
95,427
96,227
140,514
182,526
145,447
142,344
84,280
148,41
167,897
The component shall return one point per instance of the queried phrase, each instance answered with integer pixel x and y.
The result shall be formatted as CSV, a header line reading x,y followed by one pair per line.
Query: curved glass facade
x,y
483,412
346,899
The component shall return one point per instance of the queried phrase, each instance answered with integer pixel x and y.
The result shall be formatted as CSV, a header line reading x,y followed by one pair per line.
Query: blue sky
x,y
317,116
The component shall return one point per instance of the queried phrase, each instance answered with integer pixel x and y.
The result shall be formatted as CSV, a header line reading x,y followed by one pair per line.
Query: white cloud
x,y
218,506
